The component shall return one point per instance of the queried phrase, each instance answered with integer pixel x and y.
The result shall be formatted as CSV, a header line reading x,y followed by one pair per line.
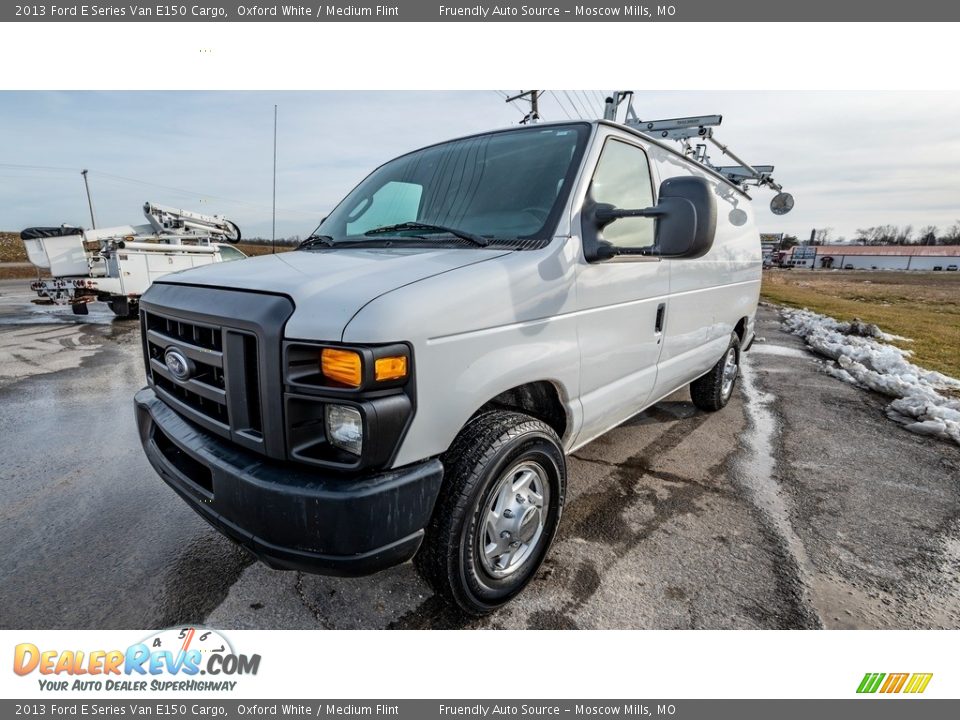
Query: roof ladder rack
x,y
701,128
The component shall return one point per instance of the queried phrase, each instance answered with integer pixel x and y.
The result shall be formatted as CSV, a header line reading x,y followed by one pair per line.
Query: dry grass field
x,y
11,248
922,306
12,251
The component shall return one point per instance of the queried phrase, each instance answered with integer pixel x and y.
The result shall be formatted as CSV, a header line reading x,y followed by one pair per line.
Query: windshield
x,y
503,188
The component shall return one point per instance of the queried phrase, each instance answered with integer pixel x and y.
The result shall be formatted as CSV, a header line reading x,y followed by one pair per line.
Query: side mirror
x,y
686,222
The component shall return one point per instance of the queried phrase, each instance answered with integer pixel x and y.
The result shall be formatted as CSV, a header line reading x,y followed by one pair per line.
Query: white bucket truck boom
x,y
117,264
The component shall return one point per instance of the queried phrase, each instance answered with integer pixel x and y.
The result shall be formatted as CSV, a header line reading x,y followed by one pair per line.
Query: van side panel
x,y
708,295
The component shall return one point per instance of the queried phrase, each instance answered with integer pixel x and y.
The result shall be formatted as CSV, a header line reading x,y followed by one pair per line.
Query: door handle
x,y
661,311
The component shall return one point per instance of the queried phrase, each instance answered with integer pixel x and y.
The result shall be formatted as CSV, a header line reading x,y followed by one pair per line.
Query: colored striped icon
x,y
894,683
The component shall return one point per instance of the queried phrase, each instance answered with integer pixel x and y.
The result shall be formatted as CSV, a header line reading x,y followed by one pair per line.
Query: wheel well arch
x,y
540,399
741,328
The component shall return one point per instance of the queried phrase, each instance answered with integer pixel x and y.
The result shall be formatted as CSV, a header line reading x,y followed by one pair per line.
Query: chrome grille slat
x,y
234,387
203,397
194,352
207,391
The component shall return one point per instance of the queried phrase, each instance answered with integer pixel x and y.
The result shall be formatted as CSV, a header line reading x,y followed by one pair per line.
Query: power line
x,y
123,179
206,196
506,98
602,100
573,105
587,102
560,104
14,166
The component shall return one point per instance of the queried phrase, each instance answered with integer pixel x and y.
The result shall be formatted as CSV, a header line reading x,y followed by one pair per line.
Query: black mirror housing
x,y
688,223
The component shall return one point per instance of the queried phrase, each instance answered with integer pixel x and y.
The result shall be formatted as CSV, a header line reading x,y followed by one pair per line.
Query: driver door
x,y
623,301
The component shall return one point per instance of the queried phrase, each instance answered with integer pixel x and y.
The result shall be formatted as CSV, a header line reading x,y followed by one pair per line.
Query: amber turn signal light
x,y
342,366
390,368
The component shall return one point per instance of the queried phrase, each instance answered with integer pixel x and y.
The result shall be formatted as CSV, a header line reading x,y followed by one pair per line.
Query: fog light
x,y
344,428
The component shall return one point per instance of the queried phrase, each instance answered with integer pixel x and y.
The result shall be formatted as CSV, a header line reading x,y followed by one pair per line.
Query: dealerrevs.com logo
x,y
179,659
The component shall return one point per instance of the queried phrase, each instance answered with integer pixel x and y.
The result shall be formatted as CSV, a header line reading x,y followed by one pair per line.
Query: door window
x,y
622,179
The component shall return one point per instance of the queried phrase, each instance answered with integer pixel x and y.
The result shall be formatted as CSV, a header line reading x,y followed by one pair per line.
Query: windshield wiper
x,y
428,227
324,240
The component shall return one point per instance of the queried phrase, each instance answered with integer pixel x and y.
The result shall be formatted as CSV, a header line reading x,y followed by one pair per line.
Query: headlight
x,y
344,428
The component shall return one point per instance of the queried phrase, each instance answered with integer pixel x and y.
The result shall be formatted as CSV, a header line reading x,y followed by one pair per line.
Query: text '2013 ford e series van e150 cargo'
x,y
408,382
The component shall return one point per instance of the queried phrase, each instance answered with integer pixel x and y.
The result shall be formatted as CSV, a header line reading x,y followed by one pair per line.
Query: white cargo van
x,y
409,382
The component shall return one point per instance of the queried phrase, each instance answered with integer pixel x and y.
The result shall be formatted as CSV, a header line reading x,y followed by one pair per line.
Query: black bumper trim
x,y
291,517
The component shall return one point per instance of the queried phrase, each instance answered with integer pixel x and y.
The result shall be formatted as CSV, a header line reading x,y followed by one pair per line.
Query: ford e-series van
x,y
408,382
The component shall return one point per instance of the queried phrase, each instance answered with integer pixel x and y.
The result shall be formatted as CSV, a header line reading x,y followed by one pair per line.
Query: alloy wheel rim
x,y
514,519
730,370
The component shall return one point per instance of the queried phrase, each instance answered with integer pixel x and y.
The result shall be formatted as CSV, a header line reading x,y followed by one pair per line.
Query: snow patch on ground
x,y
860,354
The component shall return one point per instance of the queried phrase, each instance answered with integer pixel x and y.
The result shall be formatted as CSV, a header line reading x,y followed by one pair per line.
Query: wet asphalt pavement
x,y
798,506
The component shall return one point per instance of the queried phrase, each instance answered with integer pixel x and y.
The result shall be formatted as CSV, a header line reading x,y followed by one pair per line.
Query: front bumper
x,y
289,516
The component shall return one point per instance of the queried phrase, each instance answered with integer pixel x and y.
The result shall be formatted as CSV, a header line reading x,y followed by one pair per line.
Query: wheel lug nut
x,y
515,544
521,499
508,513
505,534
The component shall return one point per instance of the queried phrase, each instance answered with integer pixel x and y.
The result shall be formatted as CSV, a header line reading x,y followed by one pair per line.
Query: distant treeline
x,y
885,235
292,240
905,235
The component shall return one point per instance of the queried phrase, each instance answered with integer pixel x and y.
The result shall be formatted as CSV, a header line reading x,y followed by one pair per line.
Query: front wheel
x,y
713,391
503,492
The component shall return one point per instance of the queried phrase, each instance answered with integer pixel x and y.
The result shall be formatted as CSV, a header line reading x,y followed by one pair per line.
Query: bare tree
x,y
928,235
902,235
820,237
952,235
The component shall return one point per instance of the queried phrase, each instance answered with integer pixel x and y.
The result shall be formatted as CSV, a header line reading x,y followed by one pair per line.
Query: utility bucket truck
x,y
410,381
116,265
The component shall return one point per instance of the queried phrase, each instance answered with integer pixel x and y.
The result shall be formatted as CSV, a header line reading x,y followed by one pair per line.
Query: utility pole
x,y
534,97
273,227
86,184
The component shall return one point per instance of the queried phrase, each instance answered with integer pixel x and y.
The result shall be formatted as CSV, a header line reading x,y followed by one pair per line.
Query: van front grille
x,y
222,391
231,343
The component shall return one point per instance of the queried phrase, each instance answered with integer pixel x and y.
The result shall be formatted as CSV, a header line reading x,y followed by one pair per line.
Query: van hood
x,y
329,286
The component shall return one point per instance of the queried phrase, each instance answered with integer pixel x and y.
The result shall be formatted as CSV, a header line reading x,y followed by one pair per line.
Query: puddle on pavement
x,y
756,468
41,343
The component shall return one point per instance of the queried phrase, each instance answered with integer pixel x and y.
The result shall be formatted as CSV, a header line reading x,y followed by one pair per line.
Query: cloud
x,y
850,159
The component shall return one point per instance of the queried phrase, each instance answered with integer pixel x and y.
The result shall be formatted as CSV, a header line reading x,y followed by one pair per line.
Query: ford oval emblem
x,y
178,364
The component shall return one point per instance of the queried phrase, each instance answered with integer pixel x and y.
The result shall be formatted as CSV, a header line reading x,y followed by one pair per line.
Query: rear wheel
x,y
504,485
713,391
123,308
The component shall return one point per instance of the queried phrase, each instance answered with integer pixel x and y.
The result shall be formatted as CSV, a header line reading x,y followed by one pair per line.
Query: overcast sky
x,y
850,159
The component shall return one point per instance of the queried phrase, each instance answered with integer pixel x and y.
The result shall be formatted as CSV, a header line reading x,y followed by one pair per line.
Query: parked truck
x,y
116,265
409,382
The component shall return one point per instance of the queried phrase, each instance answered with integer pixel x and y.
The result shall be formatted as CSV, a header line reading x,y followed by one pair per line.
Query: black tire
x,y
124,309
233,235
710,392
478,463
